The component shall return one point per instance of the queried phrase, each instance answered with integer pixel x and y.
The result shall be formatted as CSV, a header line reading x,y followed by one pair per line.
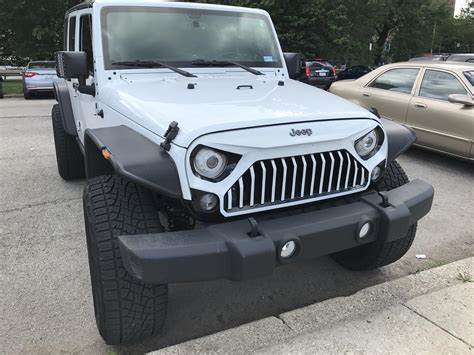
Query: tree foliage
x,y
32,28
342,29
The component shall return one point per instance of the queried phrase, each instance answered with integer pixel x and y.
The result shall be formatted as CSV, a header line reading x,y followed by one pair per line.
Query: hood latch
x,y
169,135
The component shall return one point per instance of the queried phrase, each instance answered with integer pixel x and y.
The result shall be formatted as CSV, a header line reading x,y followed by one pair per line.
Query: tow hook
x,y
384,197
254,230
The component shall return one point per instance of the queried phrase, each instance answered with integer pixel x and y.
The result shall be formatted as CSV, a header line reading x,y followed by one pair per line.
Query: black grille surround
x,y
281,181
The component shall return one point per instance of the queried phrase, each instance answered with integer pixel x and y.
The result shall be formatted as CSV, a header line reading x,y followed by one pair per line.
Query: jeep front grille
x,y
284,180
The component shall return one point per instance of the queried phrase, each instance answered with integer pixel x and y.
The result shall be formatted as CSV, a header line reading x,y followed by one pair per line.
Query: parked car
x,y
435,99
205,161
464,57
38,77
354,72
438,57
320,73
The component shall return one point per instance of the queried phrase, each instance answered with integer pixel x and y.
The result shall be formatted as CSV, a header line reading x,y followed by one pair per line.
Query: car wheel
x,y
126,309
69,157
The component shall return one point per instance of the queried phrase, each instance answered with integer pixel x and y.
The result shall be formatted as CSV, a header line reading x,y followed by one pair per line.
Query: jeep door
x,y
390,92
72,28
86,102
440,124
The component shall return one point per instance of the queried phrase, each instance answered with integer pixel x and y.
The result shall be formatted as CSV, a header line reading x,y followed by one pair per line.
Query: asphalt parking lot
x,y
45,296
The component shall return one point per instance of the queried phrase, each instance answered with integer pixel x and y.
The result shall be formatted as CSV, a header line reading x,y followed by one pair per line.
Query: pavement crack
x,y
35,116
40,204
285,323
437,325
31,156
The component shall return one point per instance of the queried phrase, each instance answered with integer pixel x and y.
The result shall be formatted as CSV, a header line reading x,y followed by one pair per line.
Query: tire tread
x,y
68,155
127,310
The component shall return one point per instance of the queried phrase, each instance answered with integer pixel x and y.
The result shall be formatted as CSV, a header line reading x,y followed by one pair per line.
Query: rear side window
x,y
42,65
399,80
470,76
85,39
439,85
72,33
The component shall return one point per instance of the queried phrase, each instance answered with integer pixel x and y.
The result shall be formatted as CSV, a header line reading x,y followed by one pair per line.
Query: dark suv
x,y
320,73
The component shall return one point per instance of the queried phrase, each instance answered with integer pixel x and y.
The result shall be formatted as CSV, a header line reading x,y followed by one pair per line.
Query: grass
x,y
431,265
464,277
12,86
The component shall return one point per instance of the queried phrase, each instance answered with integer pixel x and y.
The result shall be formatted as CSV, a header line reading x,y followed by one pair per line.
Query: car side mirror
x,y
73,65
293,63
466,100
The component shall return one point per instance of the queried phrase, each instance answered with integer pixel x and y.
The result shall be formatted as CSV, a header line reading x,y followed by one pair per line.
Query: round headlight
x,y
209,163
367,144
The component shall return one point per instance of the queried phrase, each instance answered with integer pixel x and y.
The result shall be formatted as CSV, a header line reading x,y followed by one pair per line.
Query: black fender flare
x,y
61,93
133,156
399,138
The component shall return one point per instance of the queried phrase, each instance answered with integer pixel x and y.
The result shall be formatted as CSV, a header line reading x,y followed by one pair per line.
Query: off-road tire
x,y
380,253
68,155
126,310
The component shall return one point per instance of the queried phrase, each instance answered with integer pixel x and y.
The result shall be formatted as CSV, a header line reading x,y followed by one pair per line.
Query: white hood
x,y
215,104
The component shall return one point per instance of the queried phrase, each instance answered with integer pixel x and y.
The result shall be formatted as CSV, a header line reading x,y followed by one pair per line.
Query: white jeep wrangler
x,y
204,159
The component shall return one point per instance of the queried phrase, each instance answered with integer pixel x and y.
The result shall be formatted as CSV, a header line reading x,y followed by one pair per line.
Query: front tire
x,y
126,310
380,253
69,157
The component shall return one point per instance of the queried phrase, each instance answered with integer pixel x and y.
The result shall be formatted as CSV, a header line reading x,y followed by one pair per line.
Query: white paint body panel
x,y
254,123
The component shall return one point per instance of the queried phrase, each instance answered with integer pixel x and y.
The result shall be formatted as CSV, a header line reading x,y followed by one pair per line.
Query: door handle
x,y
366,94
418,105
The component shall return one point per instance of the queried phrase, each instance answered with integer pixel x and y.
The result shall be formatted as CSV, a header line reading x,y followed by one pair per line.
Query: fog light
x,y
208,202
376,173
364,231
288,250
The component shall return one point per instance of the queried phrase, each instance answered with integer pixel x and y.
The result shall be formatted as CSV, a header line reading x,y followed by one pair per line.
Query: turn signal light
x,y
106,154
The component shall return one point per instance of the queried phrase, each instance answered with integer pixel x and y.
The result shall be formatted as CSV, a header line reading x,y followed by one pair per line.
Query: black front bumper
x,y
227,250
321,81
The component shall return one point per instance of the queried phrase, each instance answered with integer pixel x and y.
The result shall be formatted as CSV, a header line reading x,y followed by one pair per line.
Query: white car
x,y
204,159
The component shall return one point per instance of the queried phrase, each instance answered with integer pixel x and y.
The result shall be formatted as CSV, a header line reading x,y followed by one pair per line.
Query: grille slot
x,y
284,180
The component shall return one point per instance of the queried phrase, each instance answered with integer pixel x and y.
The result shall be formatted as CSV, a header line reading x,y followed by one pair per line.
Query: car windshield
x,y
180,37
470,76
42,65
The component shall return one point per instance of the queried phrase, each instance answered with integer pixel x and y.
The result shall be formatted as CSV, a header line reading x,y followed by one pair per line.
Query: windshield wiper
x,y
154,64
220,63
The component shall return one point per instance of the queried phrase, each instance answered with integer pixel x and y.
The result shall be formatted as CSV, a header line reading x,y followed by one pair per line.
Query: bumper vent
x,y
285,180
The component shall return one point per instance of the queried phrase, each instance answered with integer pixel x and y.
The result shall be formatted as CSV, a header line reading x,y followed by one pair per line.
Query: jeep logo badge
x,y
303,132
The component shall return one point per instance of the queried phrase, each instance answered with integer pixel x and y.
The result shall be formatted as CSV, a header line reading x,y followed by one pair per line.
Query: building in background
x,y
460,5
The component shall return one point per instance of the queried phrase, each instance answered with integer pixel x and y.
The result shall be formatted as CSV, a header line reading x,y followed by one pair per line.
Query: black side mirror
x,y
293,63
73,65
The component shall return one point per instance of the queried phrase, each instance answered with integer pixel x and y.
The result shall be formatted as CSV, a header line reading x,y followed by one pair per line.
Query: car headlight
x,y
210,163
367,144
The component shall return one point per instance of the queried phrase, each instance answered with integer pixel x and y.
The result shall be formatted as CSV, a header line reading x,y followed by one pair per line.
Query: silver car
x,y
39,77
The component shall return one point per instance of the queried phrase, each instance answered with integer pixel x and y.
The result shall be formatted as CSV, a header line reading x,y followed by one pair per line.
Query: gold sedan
x,y
433,98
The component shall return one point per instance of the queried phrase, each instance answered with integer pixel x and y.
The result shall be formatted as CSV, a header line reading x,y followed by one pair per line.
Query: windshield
x,y
180,36
470,76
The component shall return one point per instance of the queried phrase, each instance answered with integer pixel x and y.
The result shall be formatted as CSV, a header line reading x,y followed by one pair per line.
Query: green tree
x,y
32,28
336,29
